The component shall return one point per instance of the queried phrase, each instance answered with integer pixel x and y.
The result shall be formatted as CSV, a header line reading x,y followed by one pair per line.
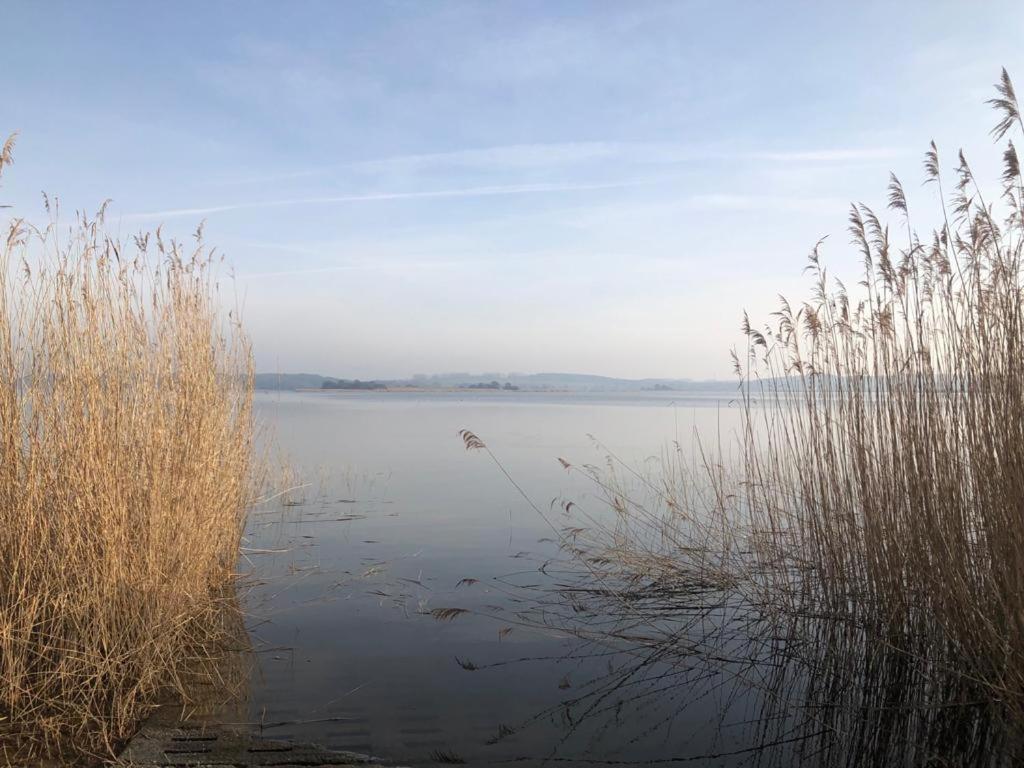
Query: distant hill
x,y
536,382
585,382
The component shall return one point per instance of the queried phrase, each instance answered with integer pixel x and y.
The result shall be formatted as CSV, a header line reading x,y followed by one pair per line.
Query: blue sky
x,y
410,187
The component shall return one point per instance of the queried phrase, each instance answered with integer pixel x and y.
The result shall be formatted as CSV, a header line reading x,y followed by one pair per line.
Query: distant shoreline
x,y
400,390
492,392
493,382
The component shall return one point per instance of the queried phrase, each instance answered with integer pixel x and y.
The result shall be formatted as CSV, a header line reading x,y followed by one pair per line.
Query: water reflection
x,y
356,573
786,690
791,684
400,521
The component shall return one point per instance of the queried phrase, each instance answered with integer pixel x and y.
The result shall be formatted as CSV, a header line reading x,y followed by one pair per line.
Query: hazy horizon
x,y
477,375
592,186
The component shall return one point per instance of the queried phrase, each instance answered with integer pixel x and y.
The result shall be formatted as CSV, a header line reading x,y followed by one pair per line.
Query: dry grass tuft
x,y
125,474
447,614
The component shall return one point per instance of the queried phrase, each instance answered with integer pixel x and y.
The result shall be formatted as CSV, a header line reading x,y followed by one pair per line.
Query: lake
x,y
393,518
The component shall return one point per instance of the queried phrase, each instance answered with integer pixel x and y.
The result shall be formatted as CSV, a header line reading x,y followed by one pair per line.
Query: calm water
x,y
394,514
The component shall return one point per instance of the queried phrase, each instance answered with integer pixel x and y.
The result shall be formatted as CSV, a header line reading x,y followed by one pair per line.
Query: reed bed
x,y
860,560
884,462
125,473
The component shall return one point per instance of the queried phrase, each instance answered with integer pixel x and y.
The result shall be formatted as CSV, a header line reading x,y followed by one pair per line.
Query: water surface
x,y
394,516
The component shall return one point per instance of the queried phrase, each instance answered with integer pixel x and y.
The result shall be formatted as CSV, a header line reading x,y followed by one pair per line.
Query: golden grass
x,y
125,473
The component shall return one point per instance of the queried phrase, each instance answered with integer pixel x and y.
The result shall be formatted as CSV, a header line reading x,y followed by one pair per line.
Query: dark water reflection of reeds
x,y
789,690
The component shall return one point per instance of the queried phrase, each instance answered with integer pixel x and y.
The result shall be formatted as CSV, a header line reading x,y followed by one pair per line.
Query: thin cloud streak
x,y
404,267
555,155
866,154
519,189
743,202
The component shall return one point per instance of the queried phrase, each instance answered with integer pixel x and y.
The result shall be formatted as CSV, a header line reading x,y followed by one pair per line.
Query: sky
x,y
420,187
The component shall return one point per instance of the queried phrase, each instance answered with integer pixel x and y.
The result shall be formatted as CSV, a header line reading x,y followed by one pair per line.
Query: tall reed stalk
x,y
885,432
868,540
125,473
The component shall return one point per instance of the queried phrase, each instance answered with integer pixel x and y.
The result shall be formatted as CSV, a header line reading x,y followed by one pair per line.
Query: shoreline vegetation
x,y
534,382
126,470
857,566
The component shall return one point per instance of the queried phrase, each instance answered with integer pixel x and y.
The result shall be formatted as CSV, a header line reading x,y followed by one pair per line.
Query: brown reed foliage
x,y
125,473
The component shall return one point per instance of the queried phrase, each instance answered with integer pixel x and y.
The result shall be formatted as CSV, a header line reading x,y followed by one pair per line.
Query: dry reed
x,y
866,551
884,470
125,474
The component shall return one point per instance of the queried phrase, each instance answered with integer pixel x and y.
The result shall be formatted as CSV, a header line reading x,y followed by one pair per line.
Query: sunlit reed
x,y
125,473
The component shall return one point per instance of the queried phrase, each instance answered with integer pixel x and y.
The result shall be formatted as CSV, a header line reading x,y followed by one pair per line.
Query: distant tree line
x,y
509,386
352,384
